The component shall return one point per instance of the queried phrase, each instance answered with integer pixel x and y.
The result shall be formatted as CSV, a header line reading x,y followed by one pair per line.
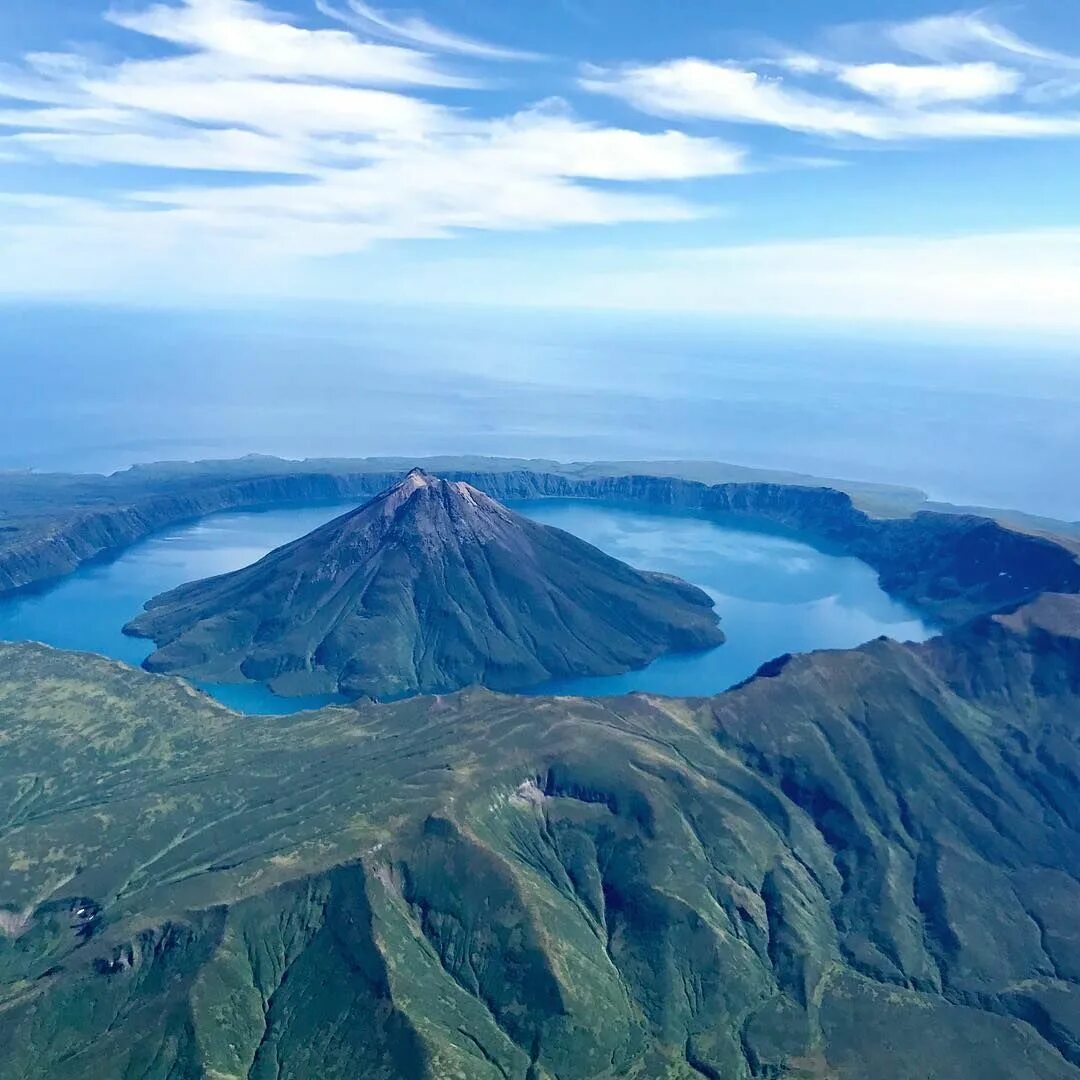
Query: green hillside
x,y
860,864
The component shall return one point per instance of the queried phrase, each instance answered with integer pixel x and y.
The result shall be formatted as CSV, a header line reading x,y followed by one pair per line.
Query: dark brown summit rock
x,y
429,587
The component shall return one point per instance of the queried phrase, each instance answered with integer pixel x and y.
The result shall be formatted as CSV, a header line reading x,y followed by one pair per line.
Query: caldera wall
x,y
949,567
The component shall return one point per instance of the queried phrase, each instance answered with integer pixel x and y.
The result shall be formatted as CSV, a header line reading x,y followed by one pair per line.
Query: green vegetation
x,y
860,865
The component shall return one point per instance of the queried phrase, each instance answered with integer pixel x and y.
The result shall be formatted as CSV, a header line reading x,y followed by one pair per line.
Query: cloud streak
x,y
983,82
917,85
232,149
946,37
342,146
415,30
243,37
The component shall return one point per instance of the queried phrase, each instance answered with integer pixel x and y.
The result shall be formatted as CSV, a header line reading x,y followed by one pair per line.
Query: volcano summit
x,y
429,587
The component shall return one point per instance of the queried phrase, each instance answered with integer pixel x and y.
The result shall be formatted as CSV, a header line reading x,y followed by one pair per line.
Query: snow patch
x,y
528,794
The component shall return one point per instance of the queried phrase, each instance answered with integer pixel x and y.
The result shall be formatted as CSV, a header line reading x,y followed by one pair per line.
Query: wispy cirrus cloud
x,y
342,143
416,30
241,36
226,146
963,34
983,82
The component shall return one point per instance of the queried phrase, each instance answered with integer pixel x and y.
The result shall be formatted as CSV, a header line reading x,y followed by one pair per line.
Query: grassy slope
x,y
861,867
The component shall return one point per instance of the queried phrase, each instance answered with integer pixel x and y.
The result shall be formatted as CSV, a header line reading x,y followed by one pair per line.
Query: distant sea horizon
x,y
96,389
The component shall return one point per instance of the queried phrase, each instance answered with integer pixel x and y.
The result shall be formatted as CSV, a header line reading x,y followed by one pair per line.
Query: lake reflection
x,y
774,593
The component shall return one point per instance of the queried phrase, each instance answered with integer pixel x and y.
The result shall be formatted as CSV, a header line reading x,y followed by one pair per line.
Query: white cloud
x,y
244,37
517,174
418,31
725,92
25,84
222,149
1052,91
557,145
945,37
1052,76
61,118
926,84
966,92
283,108
252,93
705,90
1015,281
344,148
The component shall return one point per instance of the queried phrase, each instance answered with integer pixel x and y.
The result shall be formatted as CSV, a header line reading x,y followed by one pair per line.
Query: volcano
x,y
427,588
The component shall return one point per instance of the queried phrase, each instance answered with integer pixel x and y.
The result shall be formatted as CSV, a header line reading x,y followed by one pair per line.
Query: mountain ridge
x,y
860,865
948,566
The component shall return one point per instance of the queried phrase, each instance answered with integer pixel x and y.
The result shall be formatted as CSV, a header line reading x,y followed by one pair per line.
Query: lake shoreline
x,y
775,592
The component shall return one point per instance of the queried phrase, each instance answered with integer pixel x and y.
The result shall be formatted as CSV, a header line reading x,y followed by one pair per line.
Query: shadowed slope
x,y
429,587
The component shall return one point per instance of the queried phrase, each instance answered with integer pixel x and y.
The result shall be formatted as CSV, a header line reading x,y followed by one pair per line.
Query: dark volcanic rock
x,y
428,587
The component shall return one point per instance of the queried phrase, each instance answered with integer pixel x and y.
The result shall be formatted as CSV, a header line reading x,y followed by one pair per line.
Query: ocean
x,y
96,389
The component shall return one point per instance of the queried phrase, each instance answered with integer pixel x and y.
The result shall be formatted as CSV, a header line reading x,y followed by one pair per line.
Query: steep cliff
x,y
950,567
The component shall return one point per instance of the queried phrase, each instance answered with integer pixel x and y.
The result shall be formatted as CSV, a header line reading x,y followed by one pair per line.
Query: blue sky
x,y
758,158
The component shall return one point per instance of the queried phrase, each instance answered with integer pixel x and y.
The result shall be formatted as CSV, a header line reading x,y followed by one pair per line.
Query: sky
x,y
765,159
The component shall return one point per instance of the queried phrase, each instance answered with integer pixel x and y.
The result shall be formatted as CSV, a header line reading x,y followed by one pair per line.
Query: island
x,y
949,564
858,864
427,588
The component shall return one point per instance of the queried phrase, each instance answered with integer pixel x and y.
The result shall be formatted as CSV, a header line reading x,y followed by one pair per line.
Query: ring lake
x,y
775,593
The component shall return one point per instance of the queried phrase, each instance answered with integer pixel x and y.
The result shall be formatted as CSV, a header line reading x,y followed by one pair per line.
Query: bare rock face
x,y
429,587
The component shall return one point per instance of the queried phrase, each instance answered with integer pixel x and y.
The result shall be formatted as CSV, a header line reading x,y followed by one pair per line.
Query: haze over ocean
x,y
98,388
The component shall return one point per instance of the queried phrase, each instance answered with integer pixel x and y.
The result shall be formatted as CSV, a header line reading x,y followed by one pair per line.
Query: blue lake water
x,y
86,610
775,594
